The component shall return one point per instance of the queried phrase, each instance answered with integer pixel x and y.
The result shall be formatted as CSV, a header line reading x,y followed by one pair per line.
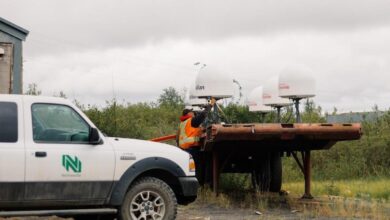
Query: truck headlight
x,y
191,164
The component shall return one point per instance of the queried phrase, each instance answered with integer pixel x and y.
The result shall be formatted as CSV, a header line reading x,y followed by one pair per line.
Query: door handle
x,y
40,154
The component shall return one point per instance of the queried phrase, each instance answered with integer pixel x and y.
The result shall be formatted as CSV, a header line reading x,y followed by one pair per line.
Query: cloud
x,y
351,68
66,26
96,49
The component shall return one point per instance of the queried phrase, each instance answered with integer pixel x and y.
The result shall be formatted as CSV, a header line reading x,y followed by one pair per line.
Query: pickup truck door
x,y
61,164
12,161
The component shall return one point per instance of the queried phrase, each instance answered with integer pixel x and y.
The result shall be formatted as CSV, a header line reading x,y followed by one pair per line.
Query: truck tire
x,y
261,173
149,198
267,173
276,172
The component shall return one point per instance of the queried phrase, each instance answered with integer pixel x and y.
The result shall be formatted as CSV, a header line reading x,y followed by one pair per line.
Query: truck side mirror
x,y
94,137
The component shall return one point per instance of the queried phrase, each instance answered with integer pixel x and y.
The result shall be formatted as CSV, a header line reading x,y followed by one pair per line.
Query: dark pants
x,y
195,153
202,165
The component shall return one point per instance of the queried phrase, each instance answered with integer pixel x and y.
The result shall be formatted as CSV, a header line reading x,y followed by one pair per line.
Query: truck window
x,y
8,122
58,124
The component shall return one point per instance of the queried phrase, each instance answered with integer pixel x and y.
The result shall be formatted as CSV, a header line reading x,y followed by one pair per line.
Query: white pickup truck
x,y
54,161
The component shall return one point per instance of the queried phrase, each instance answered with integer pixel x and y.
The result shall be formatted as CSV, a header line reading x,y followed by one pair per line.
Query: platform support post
x,y
305,167
307,175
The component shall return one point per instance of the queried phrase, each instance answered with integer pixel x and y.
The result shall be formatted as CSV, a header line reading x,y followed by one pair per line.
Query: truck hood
x,y
142,145
144,149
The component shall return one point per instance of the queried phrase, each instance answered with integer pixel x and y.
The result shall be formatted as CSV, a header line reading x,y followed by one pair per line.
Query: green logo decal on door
x,y
72,163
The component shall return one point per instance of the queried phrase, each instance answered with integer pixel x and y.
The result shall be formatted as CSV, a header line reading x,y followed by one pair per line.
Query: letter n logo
x,y
72,163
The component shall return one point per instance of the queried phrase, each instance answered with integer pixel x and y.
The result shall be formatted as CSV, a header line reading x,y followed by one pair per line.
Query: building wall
x,y
6,61
17,69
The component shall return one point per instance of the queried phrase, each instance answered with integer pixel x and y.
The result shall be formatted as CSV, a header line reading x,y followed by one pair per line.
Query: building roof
x,y
13,29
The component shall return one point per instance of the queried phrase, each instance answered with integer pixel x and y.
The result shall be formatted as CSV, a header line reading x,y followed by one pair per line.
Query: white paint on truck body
x,y
98,162
142,149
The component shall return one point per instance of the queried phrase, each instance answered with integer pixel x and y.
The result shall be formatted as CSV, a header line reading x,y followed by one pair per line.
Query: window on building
x,y
8,122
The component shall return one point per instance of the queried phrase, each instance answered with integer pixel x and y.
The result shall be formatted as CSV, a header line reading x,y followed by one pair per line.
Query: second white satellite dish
x,y
255,101
296,82
271,94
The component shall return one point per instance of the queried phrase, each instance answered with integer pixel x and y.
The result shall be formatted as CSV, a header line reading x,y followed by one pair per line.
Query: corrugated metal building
x,y
11,61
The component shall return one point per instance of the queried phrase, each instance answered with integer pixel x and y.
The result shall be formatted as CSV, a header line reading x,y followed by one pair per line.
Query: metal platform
x,y
290,138
224,141
283,133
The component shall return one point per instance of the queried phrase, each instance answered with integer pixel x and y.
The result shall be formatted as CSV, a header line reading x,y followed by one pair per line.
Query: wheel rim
x,y
147,205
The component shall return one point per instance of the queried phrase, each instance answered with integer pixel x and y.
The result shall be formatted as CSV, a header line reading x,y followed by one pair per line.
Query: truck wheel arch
x,y
138,169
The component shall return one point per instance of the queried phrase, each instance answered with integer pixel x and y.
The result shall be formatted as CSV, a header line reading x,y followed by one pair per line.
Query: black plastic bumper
x,y
189,186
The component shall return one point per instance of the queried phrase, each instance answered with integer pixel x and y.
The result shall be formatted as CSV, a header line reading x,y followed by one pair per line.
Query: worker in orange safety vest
x,y
190,132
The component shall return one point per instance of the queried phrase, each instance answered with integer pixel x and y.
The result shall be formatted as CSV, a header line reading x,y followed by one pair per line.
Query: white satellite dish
x,y
296,82
211,82
271,94
194,108
193,100
255,101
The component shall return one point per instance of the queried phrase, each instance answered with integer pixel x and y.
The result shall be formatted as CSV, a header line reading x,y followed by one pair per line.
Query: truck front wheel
x,y
149,198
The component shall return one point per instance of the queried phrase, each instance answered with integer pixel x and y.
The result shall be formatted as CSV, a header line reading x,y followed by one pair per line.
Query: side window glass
x,y
58,124
8,122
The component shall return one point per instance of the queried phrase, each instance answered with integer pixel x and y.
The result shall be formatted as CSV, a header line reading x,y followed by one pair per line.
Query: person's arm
x,y
198,119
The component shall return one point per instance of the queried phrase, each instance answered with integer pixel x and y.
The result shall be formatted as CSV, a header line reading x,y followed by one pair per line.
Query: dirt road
x,y
300,210
209,213
212,212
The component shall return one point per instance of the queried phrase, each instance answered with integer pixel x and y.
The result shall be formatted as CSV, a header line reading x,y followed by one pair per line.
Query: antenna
x,y
199,63
239,89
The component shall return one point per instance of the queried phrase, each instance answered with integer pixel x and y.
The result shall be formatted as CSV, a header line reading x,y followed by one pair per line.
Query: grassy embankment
x,y
371,189
343,198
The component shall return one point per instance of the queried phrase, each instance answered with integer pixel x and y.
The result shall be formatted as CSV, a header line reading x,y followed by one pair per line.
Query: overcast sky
x,y
92,49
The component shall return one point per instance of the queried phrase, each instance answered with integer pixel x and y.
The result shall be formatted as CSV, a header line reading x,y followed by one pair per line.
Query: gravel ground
x,y
213,212
217,213
199,212
207,213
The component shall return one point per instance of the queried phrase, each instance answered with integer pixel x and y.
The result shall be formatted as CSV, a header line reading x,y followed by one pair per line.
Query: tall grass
x,y
366,206
368,189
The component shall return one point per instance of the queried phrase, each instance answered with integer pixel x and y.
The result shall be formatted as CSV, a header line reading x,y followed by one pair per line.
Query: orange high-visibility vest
x,y
188,136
